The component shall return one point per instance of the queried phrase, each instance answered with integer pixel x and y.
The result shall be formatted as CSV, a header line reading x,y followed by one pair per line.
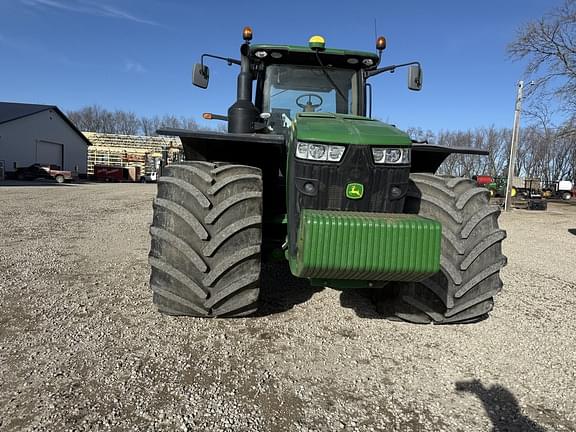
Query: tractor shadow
x,y
362,302
501,407
280,291
373,303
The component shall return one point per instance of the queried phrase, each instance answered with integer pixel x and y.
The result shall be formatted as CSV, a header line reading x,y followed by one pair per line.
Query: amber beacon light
x,y
247,33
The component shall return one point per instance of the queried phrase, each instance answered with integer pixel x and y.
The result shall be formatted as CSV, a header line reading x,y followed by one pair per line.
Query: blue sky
x,y
137,55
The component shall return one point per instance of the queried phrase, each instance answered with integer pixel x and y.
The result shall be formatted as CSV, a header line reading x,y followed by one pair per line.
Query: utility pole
x,y
514,146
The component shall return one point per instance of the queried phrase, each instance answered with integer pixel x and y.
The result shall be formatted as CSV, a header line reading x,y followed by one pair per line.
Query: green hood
x,y
347,129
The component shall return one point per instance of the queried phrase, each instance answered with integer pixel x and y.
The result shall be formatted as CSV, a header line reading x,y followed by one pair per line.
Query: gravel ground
x,y
82,348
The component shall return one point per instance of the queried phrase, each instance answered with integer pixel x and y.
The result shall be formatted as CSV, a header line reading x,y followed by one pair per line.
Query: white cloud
x,y
133,66
88,7
117,13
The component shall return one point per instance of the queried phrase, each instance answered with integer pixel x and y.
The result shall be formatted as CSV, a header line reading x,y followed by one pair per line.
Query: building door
x,y
50,153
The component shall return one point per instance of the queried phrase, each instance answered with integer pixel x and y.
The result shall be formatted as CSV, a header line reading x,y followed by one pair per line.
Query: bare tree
x,y
548,151
126,123
549,45
97,119
172,121
419,134
150,125
567,133
497,142
93,119
464,165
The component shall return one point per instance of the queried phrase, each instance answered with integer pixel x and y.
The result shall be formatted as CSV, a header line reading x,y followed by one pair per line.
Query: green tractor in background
x,y
349,201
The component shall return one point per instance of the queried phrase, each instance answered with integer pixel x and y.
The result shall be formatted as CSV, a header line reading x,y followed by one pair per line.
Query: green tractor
x,y
304,173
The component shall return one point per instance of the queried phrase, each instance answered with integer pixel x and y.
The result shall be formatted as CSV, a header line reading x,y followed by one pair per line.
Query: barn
x,y
40,134
141,152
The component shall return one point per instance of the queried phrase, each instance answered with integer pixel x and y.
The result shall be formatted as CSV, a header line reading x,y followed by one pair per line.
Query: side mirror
x,y
415,78
200,75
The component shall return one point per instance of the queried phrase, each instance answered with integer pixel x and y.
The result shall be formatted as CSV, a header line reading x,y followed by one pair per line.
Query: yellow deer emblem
x,y
354,191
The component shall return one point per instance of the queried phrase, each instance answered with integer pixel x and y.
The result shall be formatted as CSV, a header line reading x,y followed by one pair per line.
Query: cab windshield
x,y
289,89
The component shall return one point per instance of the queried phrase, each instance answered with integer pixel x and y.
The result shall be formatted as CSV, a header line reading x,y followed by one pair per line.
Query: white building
x,y
32,134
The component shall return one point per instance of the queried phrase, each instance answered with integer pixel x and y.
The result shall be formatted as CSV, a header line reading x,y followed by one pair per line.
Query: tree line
x,y
545,152
97,119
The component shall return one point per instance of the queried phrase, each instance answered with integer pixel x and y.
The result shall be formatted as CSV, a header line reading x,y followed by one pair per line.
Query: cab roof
x,y
294,54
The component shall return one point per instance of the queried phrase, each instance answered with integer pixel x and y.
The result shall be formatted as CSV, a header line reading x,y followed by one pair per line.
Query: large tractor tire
x,y
206,237
471,258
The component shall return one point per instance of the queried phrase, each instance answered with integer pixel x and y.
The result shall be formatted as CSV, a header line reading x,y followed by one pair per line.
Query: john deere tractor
x,y
306,174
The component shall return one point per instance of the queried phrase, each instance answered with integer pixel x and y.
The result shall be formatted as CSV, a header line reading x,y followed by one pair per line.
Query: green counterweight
x,y
366,246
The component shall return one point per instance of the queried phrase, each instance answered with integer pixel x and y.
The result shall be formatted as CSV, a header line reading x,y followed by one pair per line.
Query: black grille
x,y
357,167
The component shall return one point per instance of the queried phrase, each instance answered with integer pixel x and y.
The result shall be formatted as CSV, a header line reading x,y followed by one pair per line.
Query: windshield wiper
x,y
279,93
328,76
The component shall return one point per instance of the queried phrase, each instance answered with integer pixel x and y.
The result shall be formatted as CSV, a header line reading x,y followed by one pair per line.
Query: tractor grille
x,y
357,167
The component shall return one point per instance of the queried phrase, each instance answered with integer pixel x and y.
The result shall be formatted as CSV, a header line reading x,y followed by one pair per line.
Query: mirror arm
x,y
230,61
373,72
390,68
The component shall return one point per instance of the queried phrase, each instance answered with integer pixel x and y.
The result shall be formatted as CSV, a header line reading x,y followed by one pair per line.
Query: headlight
x,y
319,152
392,156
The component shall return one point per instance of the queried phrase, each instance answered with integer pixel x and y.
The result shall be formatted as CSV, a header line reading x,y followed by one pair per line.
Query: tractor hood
x,y
347,129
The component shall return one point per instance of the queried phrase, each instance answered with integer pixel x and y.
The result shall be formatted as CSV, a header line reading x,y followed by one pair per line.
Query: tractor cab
x,y
291,79
289,89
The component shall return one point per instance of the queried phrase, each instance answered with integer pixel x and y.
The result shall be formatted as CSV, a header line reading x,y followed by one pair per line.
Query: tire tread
x,y
471,257
206,240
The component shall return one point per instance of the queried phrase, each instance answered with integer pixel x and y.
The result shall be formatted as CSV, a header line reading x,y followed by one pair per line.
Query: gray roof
x,y
10,111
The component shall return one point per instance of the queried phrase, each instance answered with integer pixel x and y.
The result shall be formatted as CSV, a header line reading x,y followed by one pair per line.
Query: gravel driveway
x,y
82,348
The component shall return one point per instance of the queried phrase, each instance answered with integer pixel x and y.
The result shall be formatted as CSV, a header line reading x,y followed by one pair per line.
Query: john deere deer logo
x,y
354,191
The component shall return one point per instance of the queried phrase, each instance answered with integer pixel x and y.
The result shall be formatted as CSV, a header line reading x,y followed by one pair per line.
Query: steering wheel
x,y
309,106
